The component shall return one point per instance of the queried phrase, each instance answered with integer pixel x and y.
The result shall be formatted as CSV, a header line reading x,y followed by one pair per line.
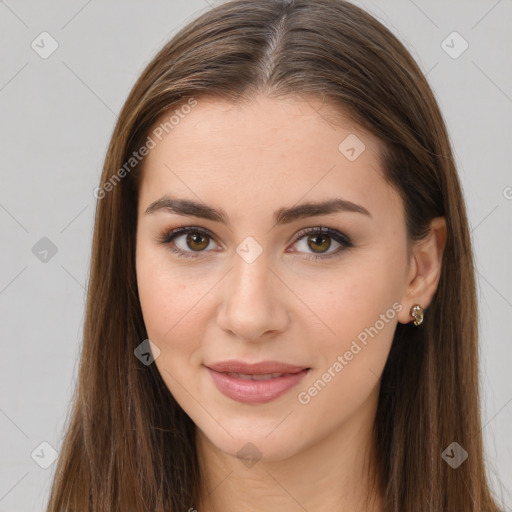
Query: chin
x,y
254,443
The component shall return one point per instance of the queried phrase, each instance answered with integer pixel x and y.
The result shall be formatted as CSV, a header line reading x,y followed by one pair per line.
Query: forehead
x,y
263,150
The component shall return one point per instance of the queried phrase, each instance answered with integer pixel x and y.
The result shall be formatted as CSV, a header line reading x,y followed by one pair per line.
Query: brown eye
x,y
319,243
197,241
187,242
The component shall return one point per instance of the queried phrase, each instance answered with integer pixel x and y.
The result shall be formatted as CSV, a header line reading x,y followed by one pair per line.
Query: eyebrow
x,y
284,215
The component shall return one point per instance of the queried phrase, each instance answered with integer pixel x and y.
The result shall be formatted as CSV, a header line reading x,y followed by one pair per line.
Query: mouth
x,y
255,383
263,376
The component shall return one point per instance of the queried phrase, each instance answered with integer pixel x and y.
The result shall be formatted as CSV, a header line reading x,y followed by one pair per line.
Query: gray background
x,y
57,115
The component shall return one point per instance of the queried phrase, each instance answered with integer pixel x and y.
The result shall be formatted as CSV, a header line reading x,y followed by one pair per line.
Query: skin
x,y
250,160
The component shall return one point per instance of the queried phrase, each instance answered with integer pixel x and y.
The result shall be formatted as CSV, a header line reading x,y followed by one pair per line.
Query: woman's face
x,y
255,281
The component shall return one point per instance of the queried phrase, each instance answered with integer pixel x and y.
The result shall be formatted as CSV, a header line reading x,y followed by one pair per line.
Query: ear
x,y
424,269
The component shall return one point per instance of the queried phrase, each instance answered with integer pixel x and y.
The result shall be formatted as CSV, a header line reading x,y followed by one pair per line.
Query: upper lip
x,y
260,368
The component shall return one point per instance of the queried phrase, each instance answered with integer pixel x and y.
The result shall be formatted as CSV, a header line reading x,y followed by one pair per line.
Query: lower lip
x,y
255,391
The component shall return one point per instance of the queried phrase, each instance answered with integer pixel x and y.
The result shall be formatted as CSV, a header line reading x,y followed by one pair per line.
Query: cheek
x,y
358,307
362,314
167,303
355,295
157,291
171,310
172,301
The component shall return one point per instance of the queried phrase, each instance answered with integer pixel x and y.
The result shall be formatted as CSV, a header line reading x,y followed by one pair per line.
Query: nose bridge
x,y
249,306
249,278
250,272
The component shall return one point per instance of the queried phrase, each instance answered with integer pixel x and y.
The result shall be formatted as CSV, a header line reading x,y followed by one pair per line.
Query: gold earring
x,y
417,314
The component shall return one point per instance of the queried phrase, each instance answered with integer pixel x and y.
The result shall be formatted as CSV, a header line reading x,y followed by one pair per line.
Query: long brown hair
x,y
129,446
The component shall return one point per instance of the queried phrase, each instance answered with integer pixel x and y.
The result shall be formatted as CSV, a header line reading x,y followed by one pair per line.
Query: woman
x,y
281,308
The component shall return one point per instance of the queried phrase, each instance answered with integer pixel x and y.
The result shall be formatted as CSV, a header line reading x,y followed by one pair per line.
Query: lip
x,y
255,391
260,368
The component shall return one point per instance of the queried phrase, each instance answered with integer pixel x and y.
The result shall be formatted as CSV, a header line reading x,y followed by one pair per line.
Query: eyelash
x,y
344,241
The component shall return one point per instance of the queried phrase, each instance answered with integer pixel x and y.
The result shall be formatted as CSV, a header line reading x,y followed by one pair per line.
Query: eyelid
x,y
323,230
169,236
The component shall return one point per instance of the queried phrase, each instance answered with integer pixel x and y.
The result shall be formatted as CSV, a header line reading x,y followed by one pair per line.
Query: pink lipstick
x,y
255,383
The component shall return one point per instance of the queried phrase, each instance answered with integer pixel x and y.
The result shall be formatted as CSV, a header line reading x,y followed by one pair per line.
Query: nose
x,y
254,306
